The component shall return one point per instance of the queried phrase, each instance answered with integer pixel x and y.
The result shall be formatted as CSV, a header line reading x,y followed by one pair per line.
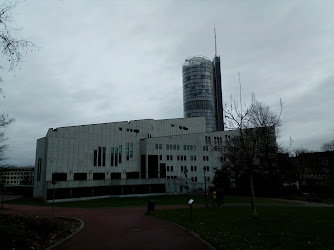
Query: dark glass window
x,y
104,157
127,150
39,170
59,177
95,157
120,153
80,176
99,157
131,150
98,176
116,158
112,157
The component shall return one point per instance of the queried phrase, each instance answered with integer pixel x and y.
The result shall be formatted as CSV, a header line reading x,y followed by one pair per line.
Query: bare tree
x,y
254,149
328,146
12,49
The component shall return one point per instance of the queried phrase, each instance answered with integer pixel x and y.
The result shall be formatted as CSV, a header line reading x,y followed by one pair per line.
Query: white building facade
x,y
128,158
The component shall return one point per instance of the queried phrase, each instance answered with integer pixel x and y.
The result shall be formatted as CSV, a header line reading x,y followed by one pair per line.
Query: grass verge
x,y
142,201
276,228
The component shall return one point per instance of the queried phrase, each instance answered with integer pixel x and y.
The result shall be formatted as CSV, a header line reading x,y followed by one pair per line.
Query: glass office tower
x,y
202,94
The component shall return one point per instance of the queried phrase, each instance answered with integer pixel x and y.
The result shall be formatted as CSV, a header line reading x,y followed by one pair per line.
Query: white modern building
x,y
128,158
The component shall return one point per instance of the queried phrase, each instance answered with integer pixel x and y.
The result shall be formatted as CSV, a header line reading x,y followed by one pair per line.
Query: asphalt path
x,y
130,228
119,228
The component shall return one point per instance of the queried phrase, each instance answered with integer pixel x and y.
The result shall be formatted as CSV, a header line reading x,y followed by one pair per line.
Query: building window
x,y
181,168
178,147
104,157
167,157
160,146
112,157
116,158
120,154
192,168
120,129
131,150
80,176
127,150
98,176
99,157
160,157
95,157
167,146
156,146
39,169
167,168
185,157
59,177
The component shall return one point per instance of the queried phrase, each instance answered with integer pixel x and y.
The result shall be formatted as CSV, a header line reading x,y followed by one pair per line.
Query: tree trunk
x,y
252,194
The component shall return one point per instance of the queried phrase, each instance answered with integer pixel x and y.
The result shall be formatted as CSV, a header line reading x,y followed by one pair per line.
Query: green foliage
x,y
276,228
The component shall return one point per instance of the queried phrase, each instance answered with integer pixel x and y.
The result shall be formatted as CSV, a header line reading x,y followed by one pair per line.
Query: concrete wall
x,y
70,150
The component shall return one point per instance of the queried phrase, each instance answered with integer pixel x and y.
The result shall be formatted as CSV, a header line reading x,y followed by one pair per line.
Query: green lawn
x,y
276,228
142,201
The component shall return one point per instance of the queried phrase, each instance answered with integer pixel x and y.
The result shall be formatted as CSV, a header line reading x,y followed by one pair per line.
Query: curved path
x,y
119,228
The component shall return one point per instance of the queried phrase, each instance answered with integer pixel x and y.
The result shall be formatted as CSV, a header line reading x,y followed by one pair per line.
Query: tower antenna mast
x,y
215,43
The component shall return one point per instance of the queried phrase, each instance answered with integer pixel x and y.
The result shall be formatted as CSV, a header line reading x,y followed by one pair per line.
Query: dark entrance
x,y
153,166
162,170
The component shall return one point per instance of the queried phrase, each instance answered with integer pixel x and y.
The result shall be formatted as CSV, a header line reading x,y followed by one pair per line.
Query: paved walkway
x,y
120,228
130,228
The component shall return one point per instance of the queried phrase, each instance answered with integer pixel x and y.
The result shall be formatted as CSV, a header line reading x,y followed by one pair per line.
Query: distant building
x,y
128,158
314,171
12,176
202,91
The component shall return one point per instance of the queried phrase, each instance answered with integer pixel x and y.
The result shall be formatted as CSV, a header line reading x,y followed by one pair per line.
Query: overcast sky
x,y
107,61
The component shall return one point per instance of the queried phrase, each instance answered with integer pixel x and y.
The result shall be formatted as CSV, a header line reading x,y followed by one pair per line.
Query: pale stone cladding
x,y
123,158
185,159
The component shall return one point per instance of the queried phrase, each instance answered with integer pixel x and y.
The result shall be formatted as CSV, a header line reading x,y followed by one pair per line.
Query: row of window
x,y
129,130
189,147
14,177
216,139
194,179
83,176
183,158
171,147
171,177
115,155
185,168
16,173
198,77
